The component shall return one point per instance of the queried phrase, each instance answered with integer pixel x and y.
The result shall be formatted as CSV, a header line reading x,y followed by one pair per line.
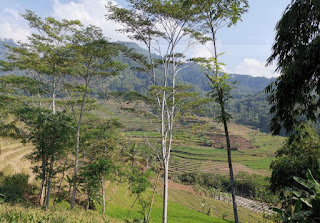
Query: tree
x,y
305,201
300,152
44,58
100,142
93,177
160,26
294,95
93,57
213,15
51,134
139,182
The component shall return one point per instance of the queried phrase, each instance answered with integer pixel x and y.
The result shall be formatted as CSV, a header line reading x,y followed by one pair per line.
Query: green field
x,y
190,153
192,150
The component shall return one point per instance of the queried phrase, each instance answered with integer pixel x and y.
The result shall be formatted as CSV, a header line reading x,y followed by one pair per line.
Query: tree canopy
x,y
301,151
295,94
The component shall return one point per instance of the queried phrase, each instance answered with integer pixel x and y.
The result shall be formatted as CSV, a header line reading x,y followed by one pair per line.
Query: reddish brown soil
x,y
237,142
187,188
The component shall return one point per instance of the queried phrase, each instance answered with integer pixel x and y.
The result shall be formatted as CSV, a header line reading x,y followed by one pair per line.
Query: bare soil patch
x,y
237,142
182,187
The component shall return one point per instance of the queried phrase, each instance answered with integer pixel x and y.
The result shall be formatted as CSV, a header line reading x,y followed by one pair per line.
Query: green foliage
x,y
306,201
18,213
217,12
300,152
294,96
247,185
139,180
52,135
14,188
92,177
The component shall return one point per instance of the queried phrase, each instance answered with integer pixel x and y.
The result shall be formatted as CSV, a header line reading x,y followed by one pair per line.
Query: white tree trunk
x,y
165,192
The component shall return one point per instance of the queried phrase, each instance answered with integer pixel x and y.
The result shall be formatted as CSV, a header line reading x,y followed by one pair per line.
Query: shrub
x,y
247,185
14,187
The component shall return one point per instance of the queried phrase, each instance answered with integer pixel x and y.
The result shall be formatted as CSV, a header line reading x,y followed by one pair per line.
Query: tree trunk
x,y
42,191
103,197
165,192
43,181
132,207
88,201
235,211
61,181
54,96
225,124
153,195
76,158
49,181
75,174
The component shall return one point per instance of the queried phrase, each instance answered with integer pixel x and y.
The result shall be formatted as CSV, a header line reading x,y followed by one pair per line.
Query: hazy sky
x,y
246,46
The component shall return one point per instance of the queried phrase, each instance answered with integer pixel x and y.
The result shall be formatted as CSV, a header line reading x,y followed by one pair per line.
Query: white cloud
x,y
255,68
13,26
89,12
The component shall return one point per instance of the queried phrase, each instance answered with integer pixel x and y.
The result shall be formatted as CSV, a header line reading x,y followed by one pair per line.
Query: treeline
x,y
248,107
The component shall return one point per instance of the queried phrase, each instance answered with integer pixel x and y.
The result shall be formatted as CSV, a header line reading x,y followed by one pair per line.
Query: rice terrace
x,y
146,111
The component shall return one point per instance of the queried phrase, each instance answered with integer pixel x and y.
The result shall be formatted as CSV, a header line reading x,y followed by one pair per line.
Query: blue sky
x,y
246,46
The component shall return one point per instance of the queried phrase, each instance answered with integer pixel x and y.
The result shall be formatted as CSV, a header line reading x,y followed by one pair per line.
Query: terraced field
x,y
184,200
196,148
199,143
13,157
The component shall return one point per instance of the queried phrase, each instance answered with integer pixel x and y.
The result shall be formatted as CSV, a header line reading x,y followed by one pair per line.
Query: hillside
x,y
199,143
198,150
185,202
248,105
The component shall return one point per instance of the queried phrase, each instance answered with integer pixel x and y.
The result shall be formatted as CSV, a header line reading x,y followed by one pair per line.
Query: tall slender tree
x,y
93,57
160,26
44,58
213,15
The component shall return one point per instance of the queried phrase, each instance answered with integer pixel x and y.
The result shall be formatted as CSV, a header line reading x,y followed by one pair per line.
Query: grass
x,y
7,170
187,155
21,214
183,207
263,163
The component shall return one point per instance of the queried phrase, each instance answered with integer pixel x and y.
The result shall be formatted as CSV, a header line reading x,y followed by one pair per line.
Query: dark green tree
x,y
300,152
52,136
294,95
93,177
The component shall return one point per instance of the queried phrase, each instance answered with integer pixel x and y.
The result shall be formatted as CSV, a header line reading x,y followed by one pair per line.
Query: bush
x,y
15,187
247,185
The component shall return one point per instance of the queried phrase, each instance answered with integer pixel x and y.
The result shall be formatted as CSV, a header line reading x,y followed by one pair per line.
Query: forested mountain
x,y
3,48
193,75
248,107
